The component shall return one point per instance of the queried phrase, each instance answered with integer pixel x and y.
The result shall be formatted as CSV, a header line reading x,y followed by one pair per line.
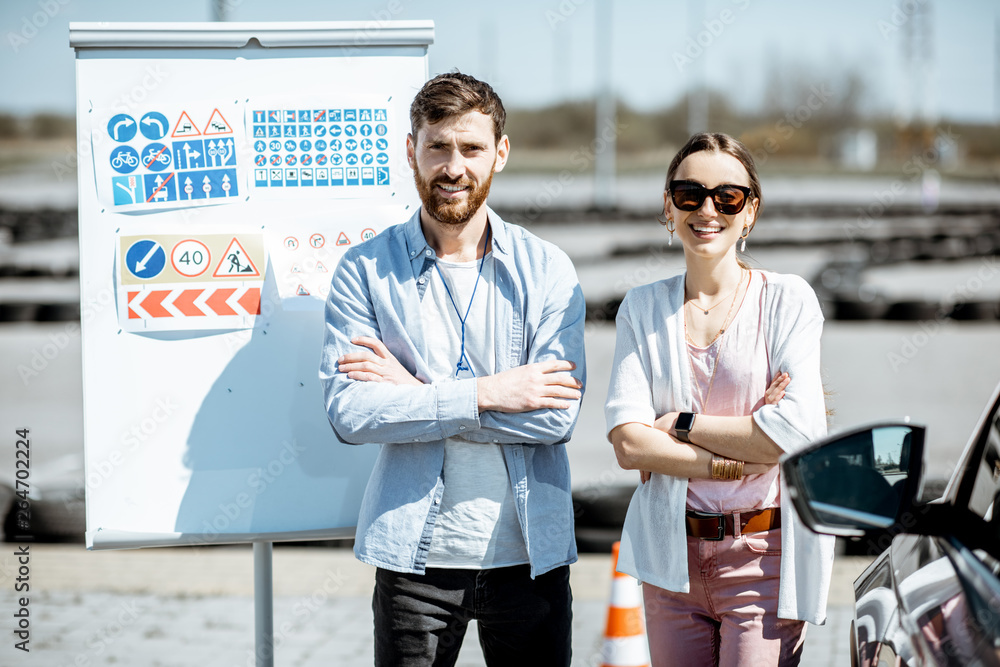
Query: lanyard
x,y
463,361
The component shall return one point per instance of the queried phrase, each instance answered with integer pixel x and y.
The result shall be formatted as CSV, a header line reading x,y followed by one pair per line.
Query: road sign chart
x,y
321,148
175,281
169,158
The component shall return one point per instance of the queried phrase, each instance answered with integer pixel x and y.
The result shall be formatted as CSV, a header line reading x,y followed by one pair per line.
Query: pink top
x,y
741,378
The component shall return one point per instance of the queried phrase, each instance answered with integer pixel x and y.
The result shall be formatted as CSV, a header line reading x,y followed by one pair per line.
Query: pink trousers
x,y
730,615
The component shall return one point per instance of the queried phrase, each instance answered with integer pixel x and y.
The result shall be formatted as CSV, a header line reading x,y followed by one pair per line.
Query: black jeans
x,y
421,619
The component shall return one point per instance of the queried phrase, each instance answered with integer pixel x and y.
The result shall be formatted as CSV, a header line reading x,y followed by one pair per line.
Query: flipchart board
x,y
224,169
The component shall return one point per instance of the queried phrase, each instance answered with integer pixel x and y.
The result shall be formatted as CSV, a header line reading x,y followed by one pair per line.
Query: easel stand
x,y
263,604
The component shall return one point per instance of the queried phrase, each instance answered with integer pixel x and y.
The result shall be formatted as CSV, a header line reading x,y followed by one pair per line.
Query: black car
x,y
932,597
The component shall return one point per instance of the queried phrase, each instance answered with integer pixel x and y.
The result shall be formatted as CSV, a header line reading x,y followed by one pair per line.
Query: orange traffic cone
x,y
625,636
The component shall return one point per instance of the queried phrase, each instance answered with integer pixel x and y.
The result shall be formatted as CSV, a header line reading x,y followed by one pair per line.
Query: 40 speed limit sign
x,y
190,258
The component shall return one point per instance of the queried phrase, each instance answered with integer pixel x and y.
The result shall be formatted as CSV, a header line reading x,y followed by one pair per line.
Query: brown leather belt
x,y
711,526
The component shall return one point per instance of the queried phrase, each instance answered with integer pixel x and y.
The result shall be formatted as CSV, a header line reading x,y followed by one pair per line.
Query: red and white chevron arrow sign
x,y
194,302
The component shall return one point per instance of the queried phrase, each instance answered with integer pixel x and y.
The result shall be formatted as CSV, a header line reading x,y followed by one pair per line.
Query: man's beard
x,y
454,212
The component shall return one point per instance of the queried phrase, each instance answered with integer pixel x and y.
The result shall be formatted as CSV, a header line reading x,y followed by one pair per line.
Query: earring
x,y
746,233
669,224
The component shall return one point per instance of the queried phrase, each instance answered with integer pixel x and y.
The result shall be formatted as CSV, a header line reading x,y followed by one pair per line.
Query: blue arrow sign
x,y
145,259
154,125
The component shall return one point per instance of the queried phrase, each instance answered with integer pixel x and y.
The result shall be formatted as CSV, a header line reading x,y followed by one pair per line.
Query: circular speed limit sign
x,y
190,258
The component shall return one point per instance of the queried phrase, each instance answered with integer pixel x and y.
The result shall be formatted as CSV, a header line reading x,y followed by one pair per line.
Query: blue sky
x,y
543,51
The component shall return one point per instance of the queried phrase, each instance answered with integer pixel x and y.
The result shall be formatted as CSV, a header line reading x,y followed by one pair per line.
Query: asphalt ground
x,y
184,606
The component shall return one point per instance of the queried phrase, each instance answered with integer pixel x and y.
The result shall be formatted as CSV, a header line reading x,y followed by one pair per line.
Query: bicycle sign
x,y
124,159
156,157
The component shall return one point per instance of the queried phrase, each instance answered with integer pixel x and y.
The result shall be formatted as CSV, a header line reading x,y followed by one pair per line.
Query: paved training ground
x,y
175,607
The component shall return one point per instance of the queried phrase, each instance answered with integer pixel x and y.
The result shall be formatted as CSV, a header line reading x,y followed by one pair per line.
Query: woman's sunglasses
x,y
728,199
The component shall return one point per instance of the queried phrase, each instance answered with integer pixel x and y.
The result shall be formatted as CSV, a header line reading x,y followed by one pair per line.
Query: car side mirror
x,y
859,482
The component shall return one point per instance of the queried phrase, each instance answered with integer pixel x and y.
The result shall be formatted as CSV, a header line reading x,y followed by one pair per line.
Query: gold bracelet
x,y
717,463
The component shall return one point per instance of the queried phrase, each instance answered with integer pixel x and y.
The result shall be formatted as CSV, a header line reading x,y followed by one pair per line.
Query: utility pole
x,y
697,89
220,10
605,130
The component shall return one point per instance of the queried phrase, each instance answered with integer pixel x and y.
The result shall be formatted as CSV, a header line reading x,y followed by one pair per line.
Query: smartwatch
x,y
683,426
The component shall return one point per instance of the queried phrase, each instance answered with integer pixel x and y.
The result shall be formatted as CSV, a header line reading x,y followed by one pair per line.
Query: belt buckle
x,y
720,520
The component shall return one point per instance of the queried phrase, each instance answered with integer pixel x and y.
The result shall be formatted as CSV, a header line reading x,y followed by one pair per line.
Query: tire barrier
x,y
599,513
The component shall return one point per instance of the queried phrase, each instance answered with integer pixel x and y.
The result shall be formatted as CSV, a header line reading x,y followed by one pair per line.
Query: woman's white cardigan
x,y
650,377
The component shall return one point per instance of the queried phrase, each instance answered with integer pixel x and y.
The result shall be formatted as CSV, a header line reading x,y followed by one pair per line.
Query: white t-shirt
x,y
477,525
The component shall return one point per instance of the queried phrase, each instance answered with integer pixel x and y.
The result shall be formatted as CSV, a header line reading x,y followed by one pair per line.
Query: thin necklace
x,y
718,354
463,361
720,301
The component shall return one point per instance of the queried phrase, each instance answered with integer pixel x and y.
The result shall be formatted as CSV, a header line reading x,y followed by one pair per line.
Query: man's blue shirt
x,y
376,291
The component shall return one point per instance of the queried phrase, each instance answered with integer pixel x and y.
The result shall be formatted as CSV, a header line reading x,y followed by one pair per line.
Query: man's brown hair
x,y
453,94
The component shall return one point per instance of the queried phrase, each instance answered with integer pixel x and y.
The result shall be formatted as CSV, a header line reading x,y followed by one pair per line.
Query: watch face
x,y
684,421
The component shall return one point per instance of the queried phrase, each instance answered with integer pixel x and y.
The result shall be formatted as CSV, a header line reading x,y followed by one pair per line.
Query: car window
x,y
987,483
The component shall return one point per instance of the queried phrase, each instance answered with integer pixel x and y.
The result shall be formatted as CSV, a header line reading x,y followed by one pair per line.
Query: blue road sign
x,y
336,130
274,145
145,259
319,130
336,144
273,131
126,189
381,129
381,144
382,175
154,125
122,127
124,159
367,158
259,146
160,187
320,145
189,154
366,130
155,157
306,145
350,130
321,160
351,158
208,184
380,115
305,130
382,158
336,159
259,116
336,115
351,145
220,152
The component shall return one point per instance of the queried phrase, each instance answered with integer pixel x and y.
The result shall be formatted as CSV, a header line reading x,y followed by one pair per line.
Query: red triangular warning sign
x,y
236,262
185,127
321,267
302,291
343,240
217,125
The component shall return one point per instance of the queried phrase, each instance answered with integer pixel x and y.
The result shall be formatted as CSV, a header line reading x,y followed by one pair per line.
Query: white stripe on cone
x,y
625,652
625,593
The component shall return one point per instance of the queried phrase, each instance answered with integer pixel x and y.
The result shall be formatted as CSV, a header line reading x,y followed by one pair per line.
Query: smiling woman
x,y
715,376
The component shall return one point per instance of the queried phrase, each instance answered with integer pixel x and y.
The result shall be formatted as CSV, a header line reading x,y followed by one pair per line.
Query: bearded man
x,y
455,342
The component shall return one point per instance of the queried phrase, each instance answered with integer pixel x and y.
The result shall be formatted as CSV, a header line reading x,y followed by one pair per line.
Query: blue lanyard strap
x,y
463,361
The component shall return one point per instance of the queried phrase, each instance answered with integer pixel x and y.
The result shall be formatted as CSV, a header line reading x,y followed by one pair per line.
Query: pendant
x,y
705,311
463,372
